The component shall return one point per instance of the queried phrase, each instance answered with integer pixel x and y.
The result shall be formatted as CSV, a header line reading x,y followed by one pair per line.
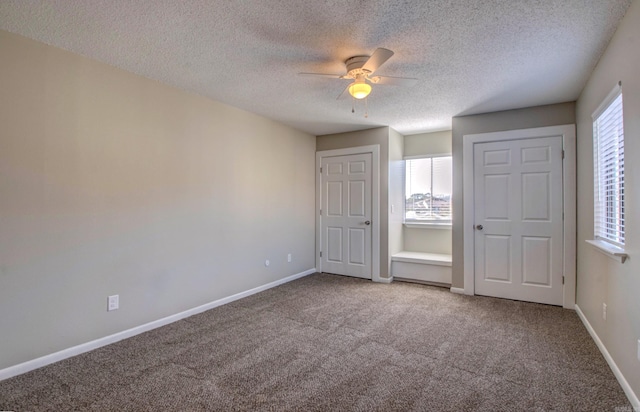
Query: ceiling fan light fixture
x,y
359,90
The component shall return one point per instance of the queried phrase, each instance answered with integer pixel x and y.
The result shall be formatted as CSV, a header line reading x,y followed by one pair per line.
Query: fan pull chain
x,y
366,106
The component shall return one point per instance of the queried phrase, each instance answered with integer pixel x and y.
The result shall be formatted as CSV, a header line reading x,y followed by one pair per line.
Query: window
x,y
428,190
608,161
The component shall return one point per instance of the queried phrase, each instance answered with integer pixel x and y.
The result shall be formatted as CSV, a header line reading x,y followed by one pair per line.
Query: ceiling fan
x,y
360,69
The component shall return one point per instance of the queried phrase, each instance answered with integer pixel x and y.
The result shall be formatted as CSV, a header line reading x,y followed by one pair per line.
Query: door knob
x,y
479,227
368,222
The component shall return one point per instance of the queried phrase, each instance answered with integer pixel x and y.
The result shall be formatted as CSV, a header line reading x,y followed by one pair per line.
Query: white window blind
x,y
428,185
608,153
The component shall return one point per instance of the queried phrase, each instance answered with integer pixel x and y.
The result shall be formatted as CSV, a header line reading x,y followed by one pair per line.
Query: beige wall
x,y
428,143
600,279
427,239
115,184
540,116
377,136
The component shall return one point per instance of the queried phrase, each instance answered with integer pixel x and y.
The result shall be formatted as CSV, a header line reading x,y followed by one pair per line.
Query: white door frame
x,y
568,134
375,202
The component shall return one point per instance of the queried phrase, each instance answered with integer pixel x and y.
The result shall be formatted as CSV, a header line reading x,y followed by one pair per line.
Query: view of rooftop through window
x,y
428,186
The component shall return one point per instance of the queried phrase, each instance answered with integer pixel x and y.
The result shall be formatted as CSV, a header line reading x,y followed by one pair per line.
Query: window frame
x,y
603,209
609,245
426,223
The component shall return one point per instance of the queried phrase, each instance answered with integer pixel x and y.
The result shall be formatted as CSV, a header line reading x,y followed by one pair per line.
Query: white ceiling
x,y
470,56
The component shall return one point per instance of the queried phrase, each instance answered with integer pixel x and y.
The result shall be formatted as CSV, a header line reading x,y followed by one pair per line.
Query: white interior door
x,y
346,215
518,219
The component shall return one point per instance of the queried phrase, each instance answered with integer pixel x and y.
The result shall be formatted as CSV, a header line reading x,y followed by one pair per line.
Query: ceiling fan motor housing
x,y
354,66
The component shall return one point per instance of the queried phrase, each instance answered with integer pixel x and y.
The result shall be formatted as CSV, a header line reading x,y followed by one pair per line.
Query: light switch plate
x,y
113,302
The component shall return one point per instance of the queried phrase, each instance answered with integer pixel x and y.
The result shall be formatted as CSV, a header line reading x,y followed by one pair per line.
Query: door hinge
x,y
563,280
321,253
563,154
320,212
321,168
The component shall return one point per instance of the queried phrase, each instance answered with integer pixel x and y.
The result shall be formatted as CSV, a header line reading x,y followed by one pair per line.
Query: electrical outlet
x,y
289,258
267,263
604,311
113,302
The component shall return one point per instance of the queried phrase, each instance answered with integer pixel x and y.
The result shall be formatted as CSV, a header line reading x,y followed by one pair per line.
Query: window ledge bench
x,y
423,267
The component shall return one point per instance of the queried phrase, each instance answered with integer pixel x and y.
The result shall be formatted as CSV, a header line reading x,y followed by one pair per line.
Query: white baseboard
x,y
459,291
86,347
633,398
385,280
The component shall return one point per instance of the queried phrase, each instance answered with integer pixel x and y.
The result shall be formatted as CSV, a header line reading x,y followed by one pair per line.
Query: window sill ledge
x,y
416,225
616,253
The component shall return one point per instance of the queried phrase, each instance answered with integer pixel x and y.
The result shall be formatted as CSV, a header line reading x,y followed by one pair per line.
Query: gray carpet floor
x,y
328,342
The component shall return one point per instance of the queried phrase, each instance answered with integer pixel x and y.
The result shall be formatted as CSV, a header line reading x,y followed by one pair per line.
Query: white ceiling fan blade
x,y
332,76
377,59
344,92
394,81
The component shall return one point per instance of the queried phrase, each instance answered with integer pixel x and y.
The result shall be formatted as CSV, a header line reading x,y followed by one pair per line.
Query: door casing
x,y
375,202
569,201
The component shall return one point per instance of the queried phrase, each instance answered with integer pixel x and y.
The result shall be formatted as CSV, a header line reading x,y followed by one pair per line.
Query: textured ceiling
x,y
470,56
